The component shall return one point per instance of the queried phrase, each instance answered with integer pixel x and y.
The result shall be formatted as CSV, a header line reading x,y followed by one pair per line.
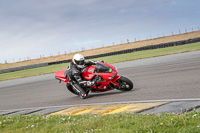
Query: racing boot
x,y
81,92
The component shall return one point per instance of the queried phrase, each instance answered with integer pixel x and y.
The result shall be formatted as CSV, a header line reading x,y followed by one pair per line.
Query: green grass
x,y
33,72
116,123
109,59
151,53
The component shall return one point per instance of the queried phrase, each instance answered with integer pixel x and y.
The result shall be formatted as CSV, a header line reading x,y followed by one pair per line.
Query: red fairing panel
x,y
88,73
61,75
115,79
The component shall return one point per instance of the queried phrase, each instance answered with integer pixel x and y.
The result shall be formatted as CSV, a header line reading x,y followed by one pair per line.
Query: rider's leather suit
x,y
74,75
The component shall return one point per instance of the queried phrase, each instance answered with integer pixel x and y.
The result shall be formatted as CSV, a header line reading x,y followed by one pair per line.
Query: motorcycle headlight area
x,y
112,77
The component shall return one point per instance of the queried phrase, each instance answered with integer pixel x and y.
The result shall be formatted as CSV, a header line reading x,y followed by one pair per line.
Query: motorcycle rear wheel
x,y
125,84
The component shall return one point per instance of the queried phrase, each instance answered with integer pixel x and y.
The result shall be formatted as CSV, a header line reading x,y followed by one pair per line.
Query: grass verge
x,y
109,59
126,123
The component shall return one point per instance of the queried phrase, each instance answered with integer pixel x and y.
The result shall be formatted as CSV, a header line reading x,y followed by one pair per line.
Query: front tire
x,y
125,84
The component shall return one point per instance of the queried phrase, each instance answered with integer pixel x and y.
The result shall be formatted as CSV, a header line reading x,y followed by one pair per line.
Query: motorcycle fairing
x,y
106,73
109,76
60,75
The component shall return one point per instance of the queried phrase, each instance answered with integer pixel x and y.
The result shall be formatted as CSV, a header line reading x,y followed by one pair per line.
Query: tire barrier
x,y
59,62
23,67
163,45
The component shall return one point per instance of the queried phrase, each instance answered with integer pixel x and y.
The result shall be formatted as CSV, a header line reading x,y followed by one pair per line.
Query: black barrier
x,y
163,45
59,62
23,67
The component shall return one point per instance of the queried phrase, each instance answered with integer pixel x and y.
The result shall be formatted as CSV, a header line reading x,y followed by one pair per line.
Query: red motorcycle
x,y
105,75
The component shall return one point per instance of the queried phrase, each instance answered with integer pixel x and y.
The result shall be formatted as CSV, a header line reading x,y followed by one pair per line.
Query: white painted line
x,y
144,101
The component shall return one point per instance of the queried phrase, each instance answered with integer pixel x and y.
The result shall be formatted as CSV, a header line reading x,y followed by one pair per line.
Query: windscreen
x,y
101,68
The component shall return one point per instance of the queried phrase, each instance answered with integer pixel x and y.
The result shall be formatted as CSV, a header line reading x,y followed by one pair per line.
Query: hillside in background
x,y
108,49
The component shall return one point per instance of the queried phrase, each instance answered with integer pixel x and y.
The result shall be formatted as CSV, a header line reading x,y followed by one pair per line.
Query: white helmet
x,y
79,60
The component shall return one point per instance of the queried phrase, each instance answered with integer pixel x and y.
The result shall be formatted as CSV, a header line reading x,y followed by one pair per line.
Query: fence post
x,y
83,48
127,41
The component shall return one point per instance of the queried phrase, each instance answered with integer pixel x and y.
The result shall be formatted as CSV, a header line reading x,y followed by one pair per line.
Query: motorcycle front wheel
x,y
125,84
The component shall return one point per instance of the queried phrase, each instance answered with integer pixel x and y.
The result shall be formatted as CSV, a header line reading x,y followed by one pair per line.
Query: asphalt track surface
x,y
166,77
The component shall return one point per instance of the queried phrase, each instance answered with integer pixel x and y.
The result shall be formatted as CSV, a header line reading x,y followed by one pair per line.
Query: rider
x,y
74,74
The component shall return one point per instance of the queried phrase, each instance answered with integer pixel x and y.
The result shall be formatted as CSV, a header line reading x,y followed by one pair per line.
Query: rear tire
x,y
125,84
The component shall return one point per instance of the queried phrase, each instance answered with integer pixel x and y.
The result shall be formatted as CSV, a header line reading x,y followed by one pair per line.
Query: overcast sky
x,y
30,28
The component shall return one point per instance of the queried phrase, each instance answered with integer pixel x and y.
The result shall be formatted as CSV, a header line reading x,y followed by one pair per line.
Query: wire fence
x,y
101,45
162,45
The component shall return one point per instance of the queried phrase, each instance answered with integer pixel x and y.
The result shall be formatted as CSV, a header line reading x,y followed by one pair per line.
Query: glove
x,y
90,83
